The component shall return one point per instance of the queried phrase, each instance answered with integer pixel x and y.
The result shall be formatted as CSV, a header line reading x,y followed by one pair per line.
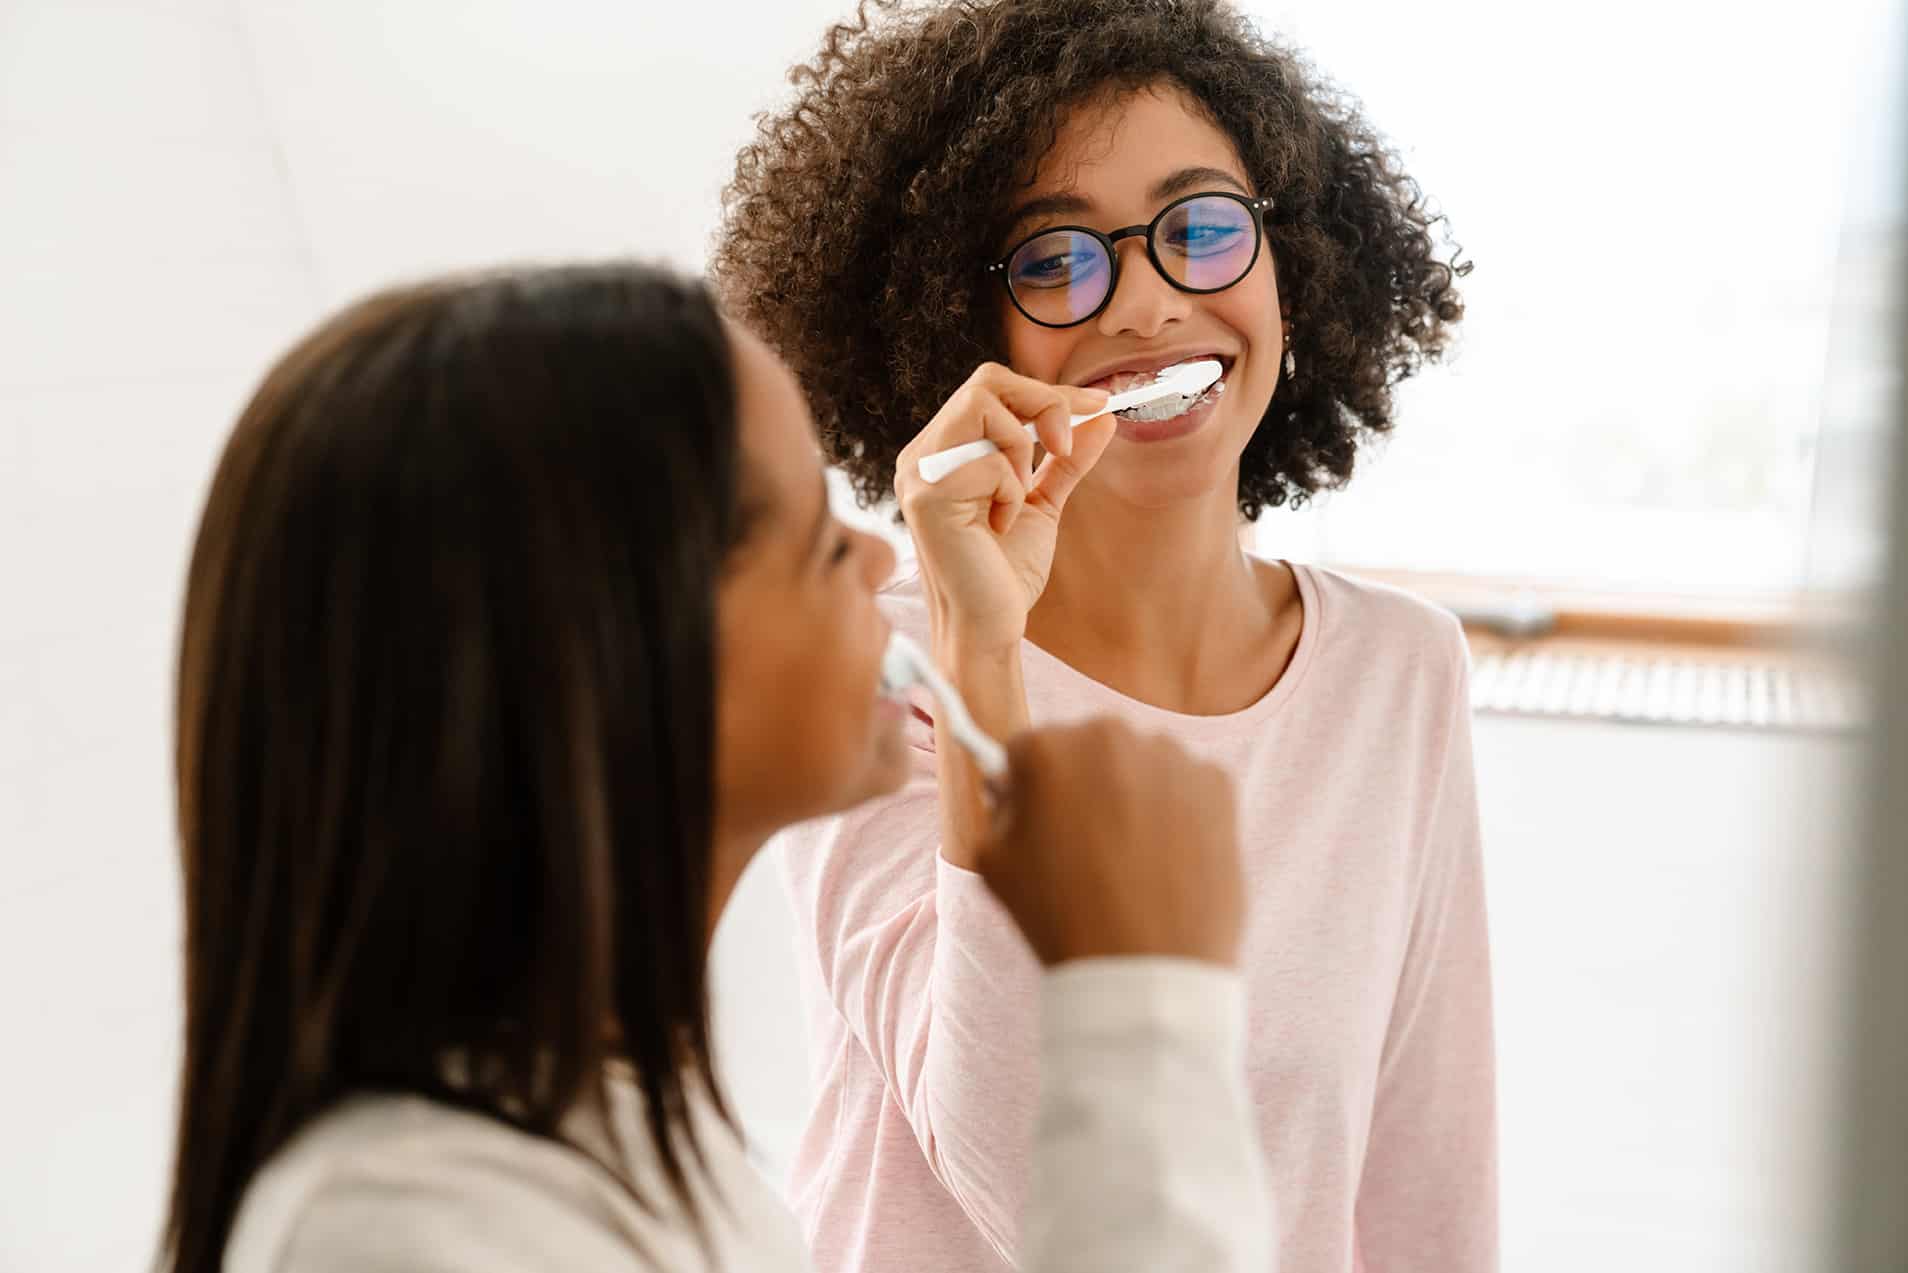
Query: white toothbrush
x,y
906,664
1187,380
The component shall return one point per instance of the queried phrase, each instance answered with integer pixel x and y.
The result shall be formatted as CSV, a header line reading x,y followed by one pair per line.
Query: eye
x,y
1201,240
1057,259
1057,270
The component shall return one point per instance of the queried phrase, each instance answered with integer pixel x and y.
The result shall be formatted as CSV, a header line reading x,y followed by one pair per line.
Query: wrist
x,y
989,682
979,653
984,646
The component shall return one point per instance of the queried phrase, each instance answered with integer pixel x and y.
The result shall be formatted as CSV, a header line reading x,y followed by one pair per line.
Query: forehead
x,y
1128,139
777,433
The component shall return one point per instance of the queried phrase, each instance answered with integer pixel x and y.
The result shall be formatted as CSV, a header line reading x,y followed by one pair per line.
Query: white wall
x,y
187,184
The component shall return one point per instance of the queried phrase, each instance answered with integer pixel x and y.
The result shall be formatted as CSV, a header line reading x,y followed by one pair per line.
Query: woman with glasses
x,y
966,203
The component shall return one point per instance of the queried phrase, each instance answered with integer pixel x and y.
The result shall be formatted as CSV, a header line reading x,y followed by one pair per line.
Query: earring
x,y
1291,365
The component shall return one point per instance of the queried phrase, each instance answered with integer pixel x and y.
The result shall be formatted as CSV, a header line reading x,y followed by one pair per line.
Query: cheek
x,y
802,741
829,694
1252,309
1033,350
789,739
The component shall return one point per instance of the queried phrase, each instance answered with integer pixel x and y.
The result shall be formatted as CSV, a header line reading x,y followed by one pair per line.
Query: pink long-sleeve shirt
x,y
1369,1044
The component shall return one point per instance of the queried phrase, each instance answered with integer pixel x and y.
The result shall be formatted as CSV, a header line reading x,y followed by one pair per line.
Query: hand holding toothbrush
x,y
1175,386
984,536
985,532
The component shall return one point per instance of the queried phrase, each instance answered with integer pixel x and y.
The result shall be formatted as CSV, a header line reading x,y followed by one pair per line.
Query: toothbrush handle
x,y
989,755
938,465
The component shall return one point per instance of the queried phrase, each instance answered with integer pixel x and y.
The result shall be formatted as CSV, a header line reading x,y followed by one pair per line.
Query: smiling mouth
x,y
1169,408
1166,408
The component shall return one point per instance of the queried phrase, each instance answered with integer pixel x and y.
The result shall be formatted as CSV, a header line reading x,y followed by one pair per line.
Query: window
x,y
1674,374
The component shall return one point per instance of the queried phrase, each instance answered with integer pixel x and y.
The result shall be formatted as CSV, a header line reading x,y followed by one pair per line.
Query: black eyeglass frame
x,y
1256,207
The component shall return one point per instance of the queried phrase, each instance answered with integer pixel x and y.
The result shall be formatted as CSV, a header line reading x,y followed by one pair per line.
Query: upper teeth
x,y
1164,409
1167,408
1126,380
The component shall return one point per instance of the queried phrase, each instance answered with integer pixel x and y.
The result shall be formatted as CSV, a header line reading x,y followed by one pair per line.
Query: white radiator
x,y
1776,693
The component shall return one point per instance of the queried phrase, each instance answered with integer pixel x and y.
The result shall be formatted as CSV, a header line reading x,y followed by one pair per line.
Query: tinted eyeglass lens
x,y
1060,278
1206,243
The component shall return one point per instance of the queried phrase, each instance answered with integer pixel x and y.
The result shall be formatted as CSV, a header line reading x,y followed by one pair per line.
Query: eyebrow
x,y
1167,187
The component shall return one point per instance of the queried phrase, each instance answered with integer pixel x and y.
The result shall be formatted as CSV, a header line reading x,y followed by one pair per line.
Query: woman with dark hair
x,y
1084,193
516,623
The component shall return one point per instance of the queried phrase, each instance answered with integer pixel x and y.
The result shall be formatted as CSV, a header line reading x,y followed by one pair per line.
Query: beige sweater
x,y
1145,1160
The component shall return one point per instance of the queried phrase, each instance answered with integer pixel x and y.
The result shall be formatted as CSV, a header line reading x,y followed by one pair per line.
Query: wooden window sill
x,y
1501,611
1547,651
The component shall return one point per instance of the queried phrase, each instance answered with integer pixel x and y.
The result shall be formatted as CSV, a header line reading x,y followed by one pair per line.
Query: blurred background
x,y
1650,478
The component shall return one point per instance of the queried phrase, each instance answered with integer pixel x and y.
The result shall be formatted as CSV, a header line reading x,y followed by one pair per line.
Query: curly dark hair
x,y
860,216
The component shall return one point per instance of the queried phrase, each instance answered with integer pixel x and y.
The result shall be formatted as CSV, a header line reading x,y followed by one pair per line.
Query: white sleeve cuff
x,y
1091,1002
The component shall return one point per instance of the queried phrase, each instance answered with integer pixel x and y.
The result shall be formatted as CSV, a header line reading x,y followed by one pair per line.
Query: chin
x,y
1158,475
891,768
884,771
1146,483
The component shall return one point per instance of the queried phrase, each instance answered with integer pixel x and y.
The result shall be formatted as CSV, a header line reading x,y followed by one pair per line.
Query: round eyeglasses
x,y
1201,243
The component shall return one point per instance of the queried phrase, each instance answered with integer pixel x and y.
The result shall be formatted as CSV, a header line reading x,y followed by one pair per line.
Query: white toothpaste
x,y
1168,408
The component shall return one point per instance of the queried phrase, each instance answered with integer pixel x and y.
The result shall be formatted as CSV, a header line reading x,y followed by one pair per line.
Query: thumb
x,y
1058,475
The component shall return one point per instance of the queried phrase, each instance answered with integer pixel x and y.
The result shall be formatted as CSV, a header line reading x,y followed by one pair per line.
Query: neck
x,y
1166,586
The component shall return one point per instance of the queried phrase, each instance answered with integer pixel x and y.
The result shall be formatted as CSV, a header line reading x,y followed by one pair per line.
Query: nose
x,y
1143,303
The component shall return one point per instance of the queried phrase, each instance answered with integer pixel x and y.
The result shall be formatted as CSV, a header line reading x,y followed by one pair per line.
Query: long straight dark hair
x,y
445,721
